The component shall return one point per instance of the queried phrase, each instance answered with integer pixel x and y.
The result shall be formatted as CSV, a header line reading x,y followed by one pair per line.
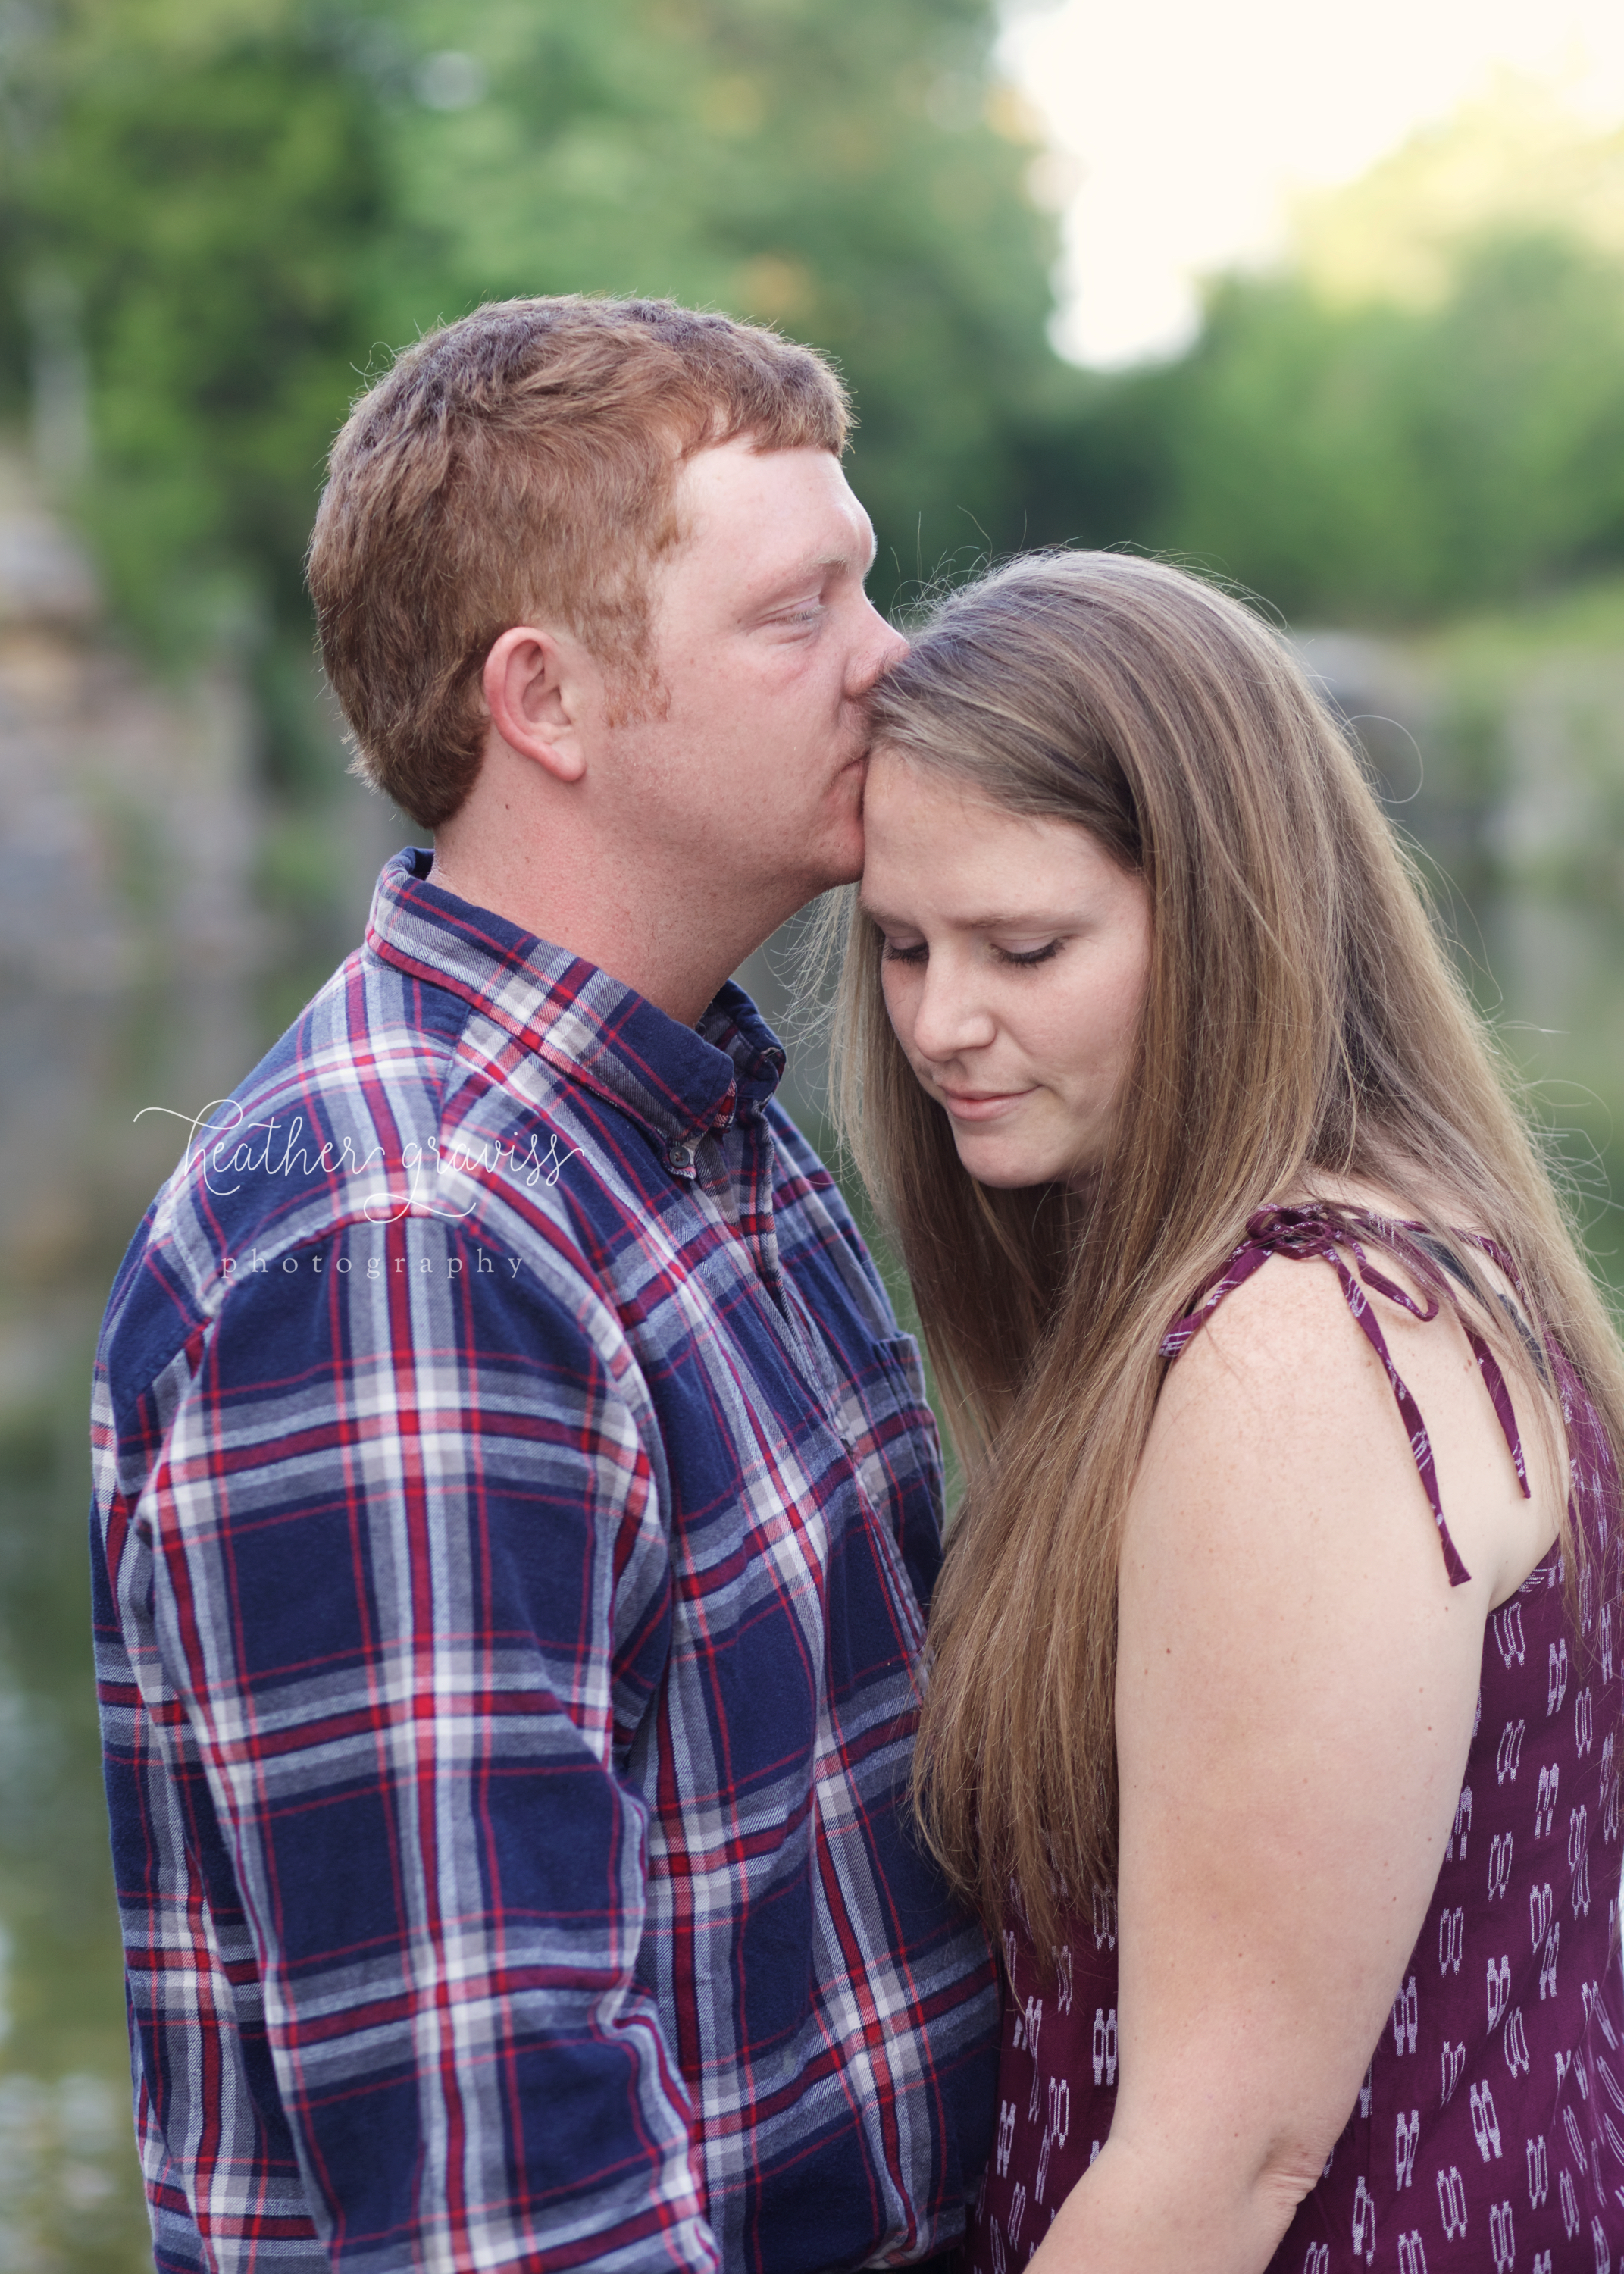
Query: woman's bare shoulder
x,y
1308,1371
1288,1327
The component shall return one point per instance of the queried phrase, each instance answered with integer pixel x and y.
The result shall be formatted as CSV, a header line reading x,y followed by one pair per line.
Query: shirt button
x,y
681,1156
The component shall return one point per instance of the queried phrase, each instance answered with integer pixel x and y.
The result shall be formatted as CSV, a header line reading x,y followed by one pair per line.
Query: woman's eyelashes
x,y
1022,959
1025,957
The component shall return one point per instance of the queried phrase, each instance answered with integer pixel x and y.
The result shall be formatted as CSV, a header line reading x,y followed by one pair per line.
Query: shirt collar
x,y
680,1081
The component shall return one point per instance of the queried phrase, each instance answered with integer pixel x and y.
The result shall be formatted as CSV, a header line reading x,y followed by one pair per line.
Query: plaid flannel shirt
x,y
514,1503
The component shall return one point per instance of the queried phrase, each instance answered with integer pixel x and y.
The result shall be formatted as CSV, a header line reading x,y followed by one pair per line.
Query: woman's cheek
x,y
893,987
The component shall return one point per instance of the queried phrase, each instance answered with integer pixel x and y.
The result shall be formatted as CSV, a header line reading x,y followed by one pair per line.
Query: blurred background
x,y
1337,314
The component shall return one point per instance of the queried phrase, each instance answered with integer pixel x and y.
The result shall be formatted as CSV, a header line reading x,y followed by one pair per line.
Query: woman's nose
x,y
948,1019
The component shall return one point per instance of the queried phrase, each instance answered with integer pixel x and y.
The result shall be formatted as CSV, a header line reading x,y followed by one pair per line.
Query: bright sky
x,y
1190,124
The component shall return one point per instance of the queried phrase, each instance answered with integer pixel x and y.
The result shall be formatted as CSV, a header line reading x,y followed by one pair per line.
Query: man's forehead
x,y
796,503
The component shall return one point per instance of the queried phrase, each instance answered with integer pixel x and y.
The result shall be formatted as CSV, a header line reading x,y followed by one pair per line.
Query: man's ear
x,y
532,684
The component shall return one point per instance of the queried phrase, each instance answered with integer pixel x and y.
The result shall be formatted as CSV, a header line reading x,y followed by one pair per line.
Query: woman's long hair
x,y
1301,1019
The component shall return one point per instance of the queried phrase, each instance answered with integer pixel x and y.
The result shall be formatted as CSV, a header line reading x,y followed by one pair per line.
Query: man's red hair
x,y
519,466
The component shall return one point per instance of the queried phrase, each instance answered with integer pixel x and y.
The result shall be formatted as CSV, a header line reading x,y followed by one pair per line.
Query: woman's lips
x,y
981,1105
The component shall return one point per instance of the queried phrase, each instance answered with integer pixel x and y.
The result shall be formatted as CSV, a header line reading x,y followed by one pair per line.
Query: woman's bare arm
x,y
1295,1693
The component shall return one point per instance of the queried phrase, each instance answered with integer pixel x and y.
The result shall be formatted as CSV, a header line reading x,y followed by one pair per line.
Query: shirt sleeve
x,y
410,1581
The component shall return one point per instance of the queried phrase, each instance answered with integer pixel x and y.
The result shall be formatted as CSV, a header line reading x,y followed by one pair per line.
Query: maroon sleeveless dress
x,y
1489,2130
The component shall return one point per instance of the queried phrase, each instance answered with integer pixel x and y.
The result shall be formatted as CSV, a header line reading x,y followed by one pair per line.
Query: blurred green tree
x,y
250,201
231,210
845,170
209,188
1421,412
1386,463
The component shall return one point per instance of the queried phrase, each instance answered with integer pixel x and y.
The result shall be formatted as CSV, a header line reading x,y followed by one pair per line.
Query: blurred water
x,y
1498,750
140,966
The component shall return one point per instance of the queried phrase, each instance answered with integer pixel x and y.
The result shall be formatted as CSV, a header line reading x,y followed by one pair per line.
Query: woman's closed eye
x,y
1025,957
915,951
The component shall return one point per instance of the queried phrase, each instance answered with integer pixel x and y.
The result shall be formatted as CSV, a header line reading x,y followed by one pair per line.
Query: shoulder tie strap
x,y
1322,1231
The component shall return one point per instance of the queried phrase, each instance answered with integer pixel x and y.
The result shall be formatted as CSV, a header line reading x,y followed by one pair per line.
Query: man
x,y
516,1503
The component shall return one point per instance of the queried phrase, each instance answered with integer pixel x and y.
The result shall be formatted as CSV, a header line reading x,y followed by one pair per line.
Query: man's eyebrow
x,y
860,557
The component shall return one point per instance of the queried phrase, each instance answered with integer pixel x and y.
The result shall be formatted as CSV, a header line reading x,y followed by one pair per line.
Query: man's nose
x,y
880,649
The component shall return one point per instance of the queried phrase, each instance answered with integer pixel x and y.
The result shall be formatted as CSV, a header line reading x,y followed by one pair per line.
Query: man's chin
x,y
839,851
845,865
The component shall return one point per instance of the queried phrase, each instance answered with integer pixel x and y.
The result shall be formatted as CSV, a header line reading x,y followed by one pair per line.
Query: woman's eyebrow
x,y
1022,920
1018,919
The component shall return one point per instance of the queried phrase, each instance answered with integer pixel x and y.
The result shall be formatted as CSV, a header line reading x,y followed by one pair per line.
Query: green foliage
x,y
211,185
823,166
1375,463
254,201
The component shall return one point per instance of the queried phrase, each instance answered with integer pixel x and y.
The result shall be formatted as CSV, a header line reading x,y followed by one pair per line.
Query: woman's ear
x,y
532,684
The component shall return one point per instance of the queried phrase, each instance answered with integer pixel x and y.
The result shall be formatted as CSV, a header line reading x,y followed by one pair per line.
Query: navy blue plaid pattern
x,y
515,1510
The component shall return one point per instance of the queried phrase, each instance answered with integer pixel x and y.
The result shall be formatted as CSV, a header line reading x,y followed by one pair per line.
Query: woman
x,y
1273,1715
